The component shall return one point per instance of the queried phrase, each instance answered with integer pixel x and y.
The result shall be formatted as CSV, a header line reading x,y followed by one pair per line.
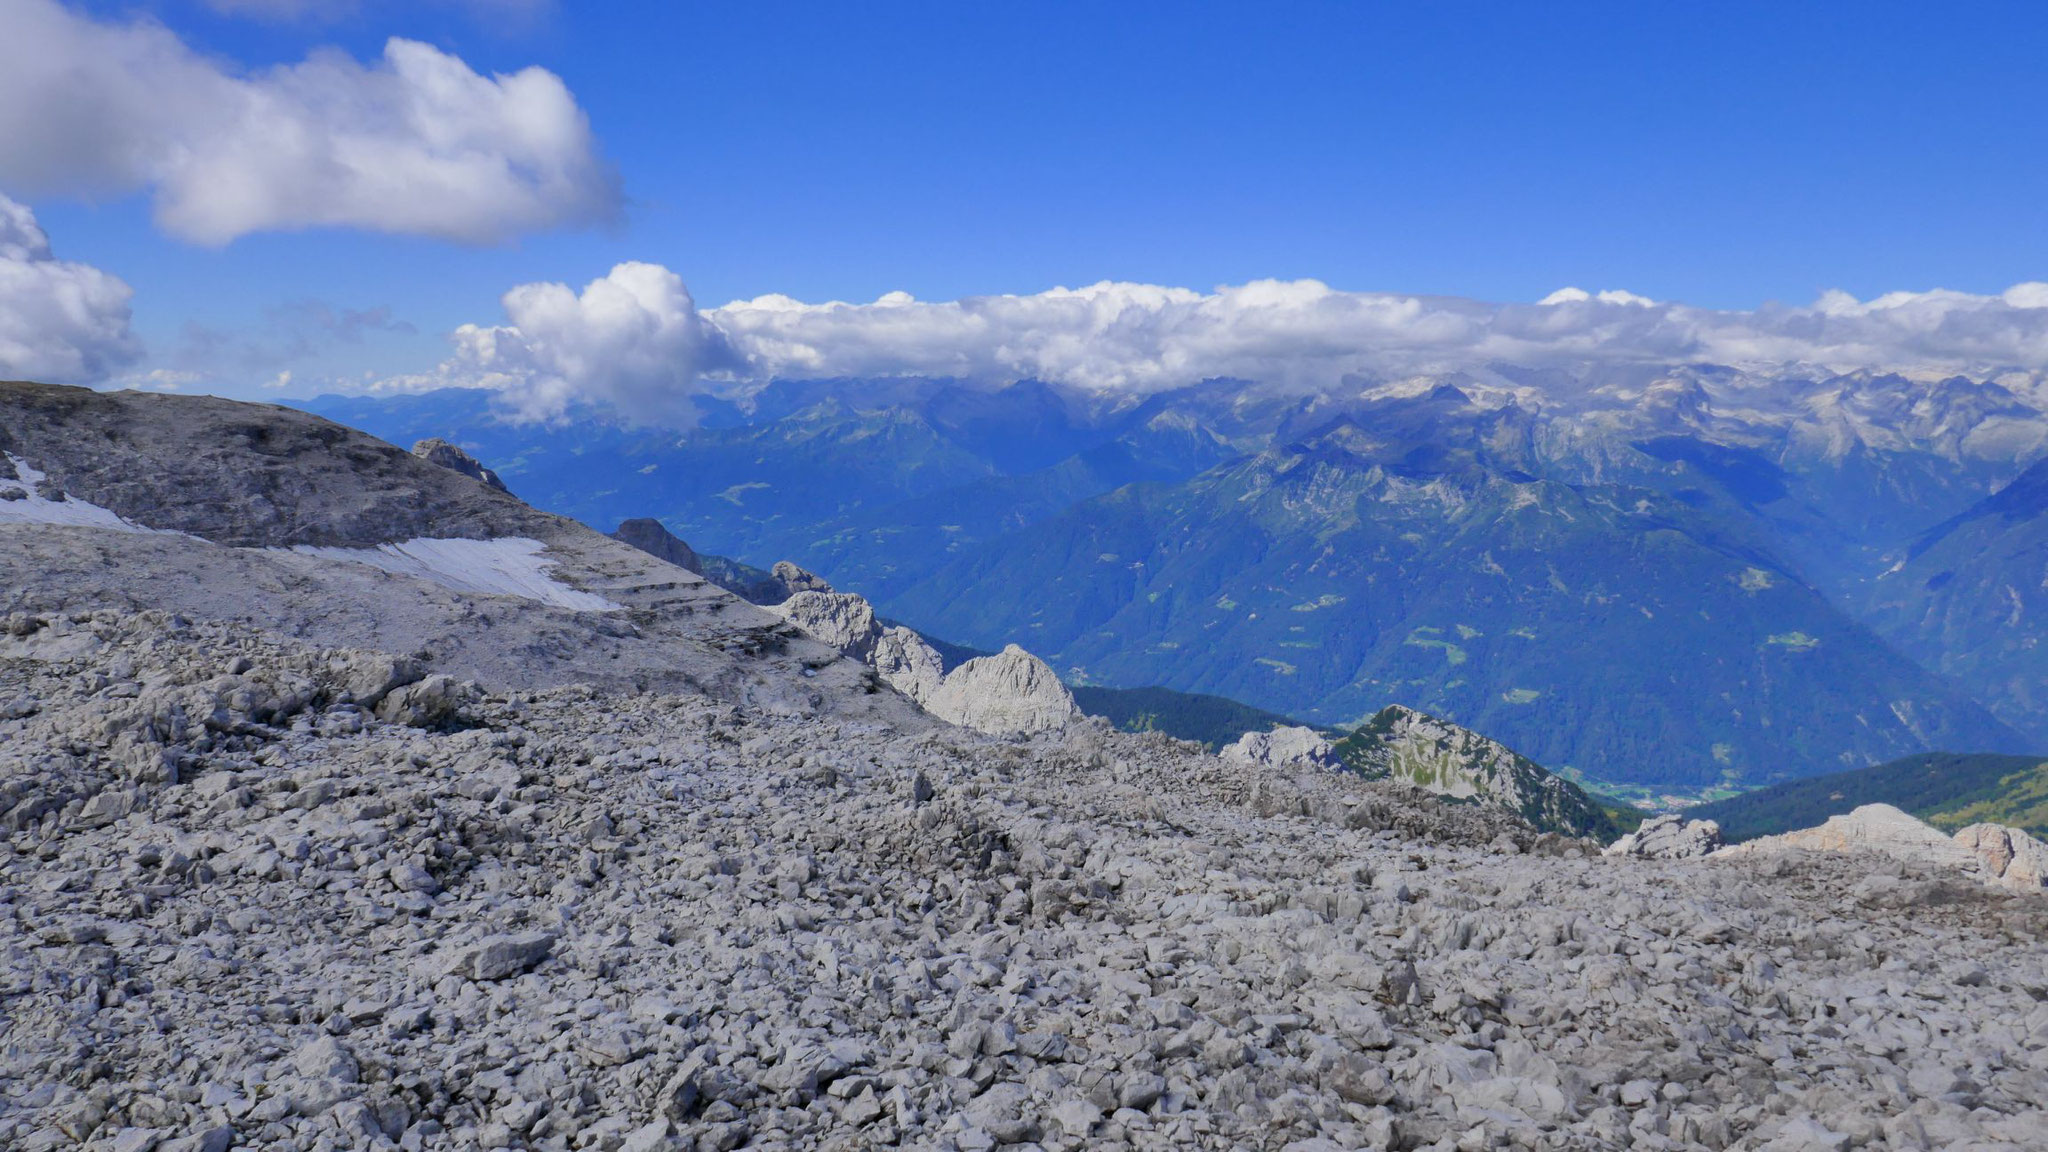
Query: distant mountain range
x,y
1675,581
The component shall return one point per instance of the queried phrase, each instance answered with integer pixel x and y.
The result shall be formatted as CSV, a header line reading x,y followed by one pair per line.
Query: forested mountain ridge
x,y
1945,789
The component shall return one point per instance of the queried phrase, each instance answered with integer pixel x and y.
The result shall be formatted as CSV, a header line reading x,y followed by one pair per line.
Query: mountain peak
x,y
1403,743
435,450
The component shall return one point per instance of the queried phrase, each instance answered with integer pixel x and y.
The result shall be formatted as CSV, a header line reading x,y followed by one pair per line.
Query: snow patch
x,y
506,566
31,507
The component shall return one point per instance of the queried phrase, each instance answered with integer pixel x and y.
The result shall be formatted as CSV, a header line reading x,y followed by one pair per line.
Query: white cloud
x,y
416,142
1580,295
59,321
1303,332
634,340
285,11
159,380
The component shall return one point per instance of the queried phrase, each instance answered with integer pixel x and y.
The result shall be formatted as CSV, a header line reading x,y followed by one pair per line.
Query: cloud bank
x,y
634,340
415,143
59,321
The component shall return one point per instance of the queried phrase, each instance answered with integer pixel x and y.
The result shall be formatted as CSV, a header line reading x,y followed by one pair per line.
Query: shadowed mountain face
x,y
1659,577
1970,598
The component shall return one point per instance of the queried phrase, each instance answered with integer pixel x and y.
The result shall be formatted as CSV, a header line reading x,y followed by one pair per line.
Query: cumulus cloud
x,y
634,339
416,142
59,321
285,11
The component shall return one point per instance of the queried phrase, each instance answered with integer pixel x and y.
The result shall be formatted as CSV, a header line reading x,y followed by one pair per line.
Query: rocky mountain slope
x,y
579,919
269,517
262,886
1439,757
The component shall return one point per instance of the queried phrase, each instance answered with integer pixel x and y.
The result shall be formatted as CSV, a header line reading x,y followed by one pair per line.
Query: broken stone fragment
x,y
496,957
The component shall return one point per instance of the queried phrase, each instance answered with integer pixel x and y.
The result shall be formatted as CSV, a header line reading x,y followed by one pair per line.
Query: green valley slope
x,y
1945,789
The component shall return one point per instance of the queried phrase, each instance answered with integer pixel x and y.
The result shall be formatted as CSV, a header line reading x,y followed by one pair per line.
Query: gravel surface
x,y
259,892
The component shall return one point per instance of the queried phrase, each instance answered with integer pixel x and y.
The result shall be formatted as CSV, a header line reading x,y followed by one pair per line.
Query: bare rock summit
x,y
1287,747
435,450
650,536
1438,756
1012,693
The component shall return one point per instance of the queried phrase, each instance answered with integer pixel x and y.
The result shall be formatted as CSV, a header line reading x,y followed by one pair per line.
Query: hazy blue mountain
x,y
1615,631
1970,598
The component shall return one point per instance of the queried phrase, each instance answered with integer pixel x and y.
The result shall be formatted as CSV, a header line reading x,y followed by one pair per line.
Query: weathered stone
x,y
496,957
1669,837
1286,748
1013,693
1004,1111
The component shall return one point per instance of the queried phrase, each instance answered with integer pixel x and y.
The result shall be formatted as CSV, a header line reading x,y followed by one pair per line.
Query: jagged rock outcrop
x,y
1009,694
842,619
1290,747
1669,837
650,536
1877,828
2009,856
435,450
908,664
794,579
1438,756
1991,853
1012,693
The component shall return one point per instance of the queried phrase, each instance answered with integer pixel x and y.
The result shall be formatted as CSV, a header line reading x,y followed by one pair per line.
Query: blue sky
x,y
1721,155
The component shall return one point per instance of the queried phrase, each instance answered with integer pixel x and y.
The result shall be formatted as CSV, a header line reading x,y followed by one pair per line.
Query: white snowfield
x,y
505,566
33,508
